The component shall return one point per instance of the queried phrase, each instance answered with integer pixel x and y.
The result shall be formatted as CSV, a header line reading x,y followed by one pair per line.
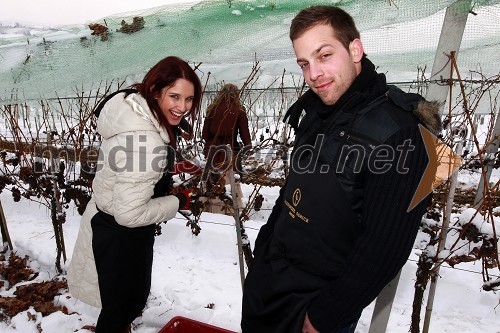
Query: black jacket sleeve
x,y
388,235
267,229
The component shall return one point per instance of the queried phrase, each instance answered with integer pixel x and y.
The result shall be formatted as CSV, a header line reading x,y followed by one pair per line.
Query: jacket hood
x,y
127,114
426,112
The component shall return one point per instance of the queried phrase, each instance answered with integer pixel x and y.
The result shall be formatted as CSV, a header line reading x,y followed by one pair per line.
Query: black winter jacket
x,y
340,230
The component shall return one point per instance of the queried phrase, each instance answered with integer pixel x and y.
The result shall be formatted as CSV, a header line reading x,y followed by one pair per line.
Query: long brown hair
x,y
164,74
229,94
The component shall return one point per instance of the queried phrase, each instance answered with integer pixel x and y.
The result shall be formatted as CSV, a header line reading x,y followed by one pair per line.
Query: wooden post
x,y
3,228
236,214
55,204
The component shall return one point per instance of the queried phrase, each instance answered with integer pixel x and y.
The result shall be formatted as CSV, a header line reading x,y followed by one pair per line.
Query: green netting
x,y
227,37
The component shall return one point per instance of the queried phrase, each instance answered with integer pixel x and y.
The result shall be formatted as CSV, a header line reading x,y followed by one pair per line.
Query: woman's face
x,y
175,101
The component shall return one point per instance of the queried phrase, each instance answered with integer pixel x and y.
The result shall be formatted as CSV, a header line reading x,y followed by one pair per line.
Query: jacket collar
x,y
367,86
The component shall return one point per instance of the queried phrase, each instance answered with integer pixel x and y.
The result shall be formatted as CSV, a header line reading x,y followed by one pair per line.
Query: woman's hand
x,y
308,327
184,199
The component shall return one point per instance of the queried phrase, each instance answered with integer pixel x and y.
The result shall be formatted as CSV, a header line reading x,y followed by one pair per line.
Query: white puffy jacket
x,y
132,158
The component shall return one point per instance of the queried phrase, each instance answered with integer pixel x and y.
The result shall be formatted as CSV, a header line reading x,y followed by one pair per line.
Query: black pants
x,y
124,259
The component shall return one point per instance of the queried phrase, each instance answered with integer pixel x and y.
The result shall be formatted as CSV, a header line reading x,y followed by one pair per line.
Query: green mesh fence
x,y
227,37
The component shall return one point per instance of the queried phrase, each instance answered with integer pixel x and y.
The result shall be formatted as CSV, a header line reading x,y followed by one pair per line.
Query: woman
x,y
226,117
113,255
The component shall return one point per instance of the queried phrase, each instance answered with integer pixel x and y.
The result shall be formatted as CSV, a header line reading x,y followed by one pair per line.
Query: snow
x,y
190,273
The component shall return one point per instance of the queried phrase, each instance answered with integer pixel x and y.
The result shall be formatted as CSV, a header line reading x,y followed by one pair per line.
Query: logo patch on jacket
x,y
293,211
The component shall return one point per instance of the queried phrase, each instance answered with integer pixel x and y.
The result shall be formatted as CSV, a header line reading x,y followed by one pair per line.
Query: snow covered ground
x,y
192,273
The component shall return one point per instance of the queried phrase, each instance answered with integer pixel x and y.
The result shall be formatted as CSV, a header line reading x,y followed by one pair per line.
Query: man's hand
x,y
308,327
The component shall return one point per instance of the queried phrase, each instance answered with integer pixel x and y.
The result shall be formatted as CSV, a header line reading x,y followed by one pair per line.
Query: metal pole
x,y
449,40
442,243
491,150
383,306
236,214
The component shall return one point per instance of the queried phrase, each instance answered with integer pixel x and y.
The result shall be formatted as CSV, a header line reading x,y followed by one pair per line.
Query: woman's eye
x,y
174,96
325,56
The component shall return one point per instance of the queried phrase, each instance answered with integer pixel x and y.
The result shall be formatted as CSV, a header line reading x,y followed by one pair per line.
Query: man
x,y
342,226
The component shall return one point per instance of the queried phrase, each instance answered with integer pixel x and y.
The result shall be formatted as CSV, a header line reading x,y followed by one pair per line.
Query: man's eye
x,y
303,65
326,56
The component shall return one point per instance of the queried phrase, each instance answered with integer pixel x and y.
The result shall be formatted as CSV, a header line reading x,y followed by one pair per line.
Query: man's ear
x,y
356,49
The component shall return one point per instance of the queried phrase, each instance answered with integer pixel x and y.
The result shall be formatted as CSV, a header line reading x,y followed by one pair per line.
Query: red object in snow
x,y
186,167
184,325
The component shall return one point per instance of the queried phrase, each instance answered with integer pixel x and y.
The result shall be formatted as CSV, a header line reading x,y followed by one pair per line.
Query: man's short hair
x,y
342,23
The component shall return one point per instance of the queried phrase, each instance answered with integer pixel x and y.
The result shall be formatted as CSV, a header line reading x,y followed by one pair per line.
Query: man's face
x,y
328,67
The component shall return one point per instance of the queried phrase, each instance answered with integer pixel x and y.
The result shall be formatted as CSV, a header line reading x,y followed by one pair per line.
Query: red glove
x,y
184,199
186,167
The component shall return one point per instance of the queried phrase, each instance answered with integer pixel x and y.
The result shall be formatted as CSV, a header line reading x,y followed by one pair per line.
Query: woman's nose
x,y
181,105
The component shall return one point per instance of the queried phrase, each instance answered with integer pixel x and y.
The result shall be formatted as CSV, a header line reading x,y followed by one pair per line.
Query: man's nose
x,y
315,71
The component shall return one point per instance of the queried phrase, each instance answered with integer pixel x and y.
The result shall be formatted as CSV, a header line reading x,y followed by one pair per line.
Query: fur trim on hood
x,y
428,114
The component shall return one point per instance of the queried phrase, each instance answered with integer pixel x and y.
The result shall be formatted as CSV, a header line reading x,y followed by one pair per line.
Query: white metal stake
x,y
444,233
383,306
449,40
490,151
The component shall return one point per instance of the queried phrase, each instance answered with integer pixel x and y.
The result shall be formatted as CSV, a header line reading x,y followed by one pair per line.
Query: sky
x,y
62,12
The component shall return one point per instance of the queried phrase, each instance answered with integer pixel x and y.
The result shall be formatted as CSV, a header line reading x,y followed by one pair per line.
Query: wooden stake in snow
x,y
4,230
236,214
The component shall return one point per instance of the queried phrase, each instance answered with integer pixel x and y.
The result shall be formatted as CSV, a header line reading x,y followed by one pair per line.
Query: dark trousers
x,y
124,259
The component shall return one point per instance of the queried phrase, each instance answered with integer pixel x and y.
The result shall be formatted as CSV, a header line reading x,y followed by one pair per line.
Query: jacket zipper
x,y
357,139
